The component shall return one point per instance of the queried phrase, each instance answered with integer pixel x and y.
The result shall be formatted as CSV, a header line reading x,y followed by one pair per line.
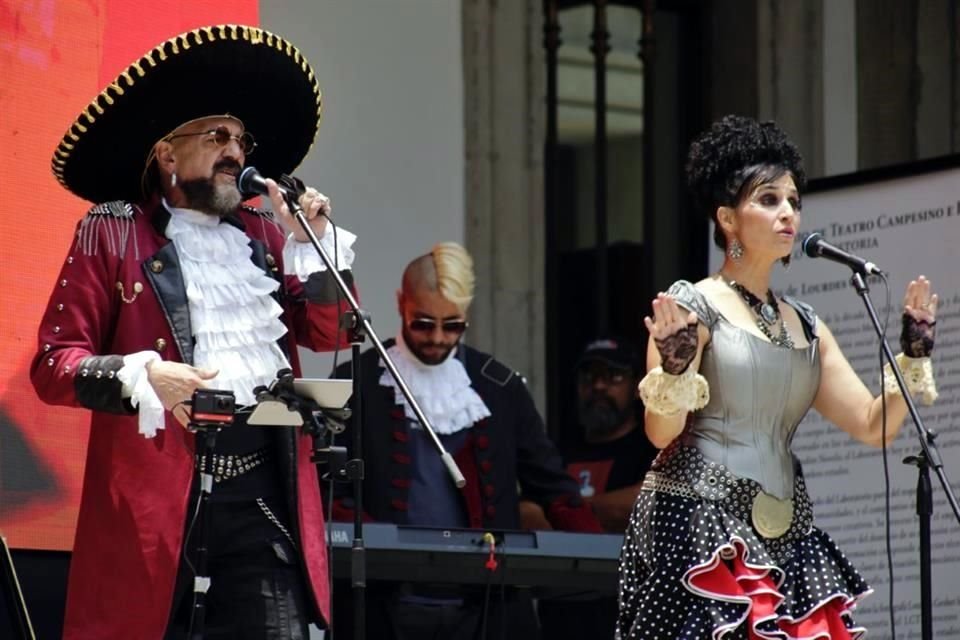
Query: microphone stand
x,y
362,327
206,441
927,459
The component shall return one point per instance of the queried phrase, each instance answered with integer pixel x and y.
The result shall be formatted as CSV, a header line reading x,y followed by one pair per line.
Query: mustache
x,y
595,399
227,164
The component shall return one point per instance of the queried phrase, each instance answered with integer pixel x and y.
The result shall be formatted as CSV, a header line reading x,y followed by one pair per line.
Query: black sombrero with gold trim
x,y
242,71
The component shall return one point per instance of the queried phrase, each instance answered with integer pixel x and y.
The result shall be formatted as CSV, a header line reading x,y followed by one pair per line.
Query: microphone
x,y
816,247
250,182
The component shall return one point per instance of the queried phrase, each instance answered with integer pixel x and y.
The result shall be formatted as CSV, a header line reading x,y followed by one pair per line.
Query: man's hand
x,y
174,383
315,207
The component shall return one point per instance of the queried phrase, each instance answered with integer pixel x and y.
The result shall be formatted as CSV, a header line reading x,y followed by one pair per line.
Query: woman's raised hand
x,y
919,319
674,331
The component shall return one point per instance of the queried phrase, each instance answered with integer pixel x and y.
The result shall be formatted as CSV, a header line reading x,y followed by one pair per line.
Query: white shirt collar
x,y
192,215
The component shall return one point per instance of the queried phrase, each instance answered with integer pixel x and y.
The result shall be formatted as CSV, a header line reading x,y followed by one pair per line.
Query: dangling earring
x,y
734,249
173,179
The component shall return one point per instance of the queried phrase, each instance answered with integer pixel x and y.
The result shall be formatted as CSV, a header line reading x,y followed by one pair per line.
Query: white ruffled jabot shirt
x,y
443,391
235,321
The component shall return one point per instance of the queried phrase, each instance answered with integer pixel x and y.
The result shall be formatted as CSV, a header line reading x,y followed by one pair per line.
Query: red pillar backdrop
x,y
55,56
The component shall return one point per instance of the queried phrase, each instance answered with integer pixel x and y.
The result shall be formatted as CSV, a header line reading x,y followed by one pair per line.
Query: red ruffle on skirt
x,y
826,621
728,576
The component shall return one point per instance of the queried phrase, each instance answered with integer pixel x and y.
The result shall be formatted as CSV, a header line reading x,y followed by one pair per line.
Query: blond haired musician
x,y
485,417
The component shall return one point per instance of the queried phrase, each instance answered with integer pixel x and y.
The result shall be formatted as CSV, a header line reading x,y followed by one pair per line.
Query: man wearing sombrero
x,y
173,284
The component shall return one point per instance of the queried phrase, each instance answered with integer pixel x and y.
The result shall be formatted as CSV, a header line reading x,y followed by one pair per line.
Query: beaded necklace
x,y
767,314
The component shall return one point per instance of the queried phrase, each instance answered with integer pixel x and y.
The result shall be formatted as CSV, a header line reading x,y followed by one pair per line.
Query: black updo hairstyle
x,y
734,156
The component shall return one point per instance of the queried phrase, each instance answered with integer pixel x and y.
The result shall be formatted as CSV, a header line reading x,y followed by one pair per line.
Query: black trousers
x,y
257,589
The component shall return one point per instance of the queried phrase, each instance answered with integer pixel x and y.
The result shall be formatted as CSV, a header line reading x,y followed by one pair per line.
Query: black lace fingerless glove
x,y
677,351
916,337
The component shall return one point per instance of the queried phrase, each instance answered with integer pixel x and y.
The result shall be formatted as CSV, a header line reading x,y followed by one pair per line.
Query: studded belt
x,y
683,471
226,467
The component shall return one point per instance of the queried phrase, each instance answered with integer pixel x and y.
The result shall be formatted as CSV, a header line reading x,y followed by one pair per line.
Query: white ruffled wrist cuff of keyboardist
x,y
301,258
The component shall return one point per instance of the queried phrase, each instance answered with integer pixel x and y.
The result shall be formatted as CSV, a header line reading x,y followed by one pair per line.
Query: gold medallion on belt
x,y
771,515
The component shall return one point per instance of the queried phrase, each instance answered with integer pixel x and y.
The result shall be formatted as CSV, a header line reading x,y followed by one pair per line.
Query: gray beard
x,y
600,419
203,195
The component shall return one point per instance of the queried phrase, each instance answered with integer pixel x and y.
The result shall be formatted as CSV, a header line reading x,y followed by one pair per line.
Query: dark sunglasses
x,y
222,136
428,325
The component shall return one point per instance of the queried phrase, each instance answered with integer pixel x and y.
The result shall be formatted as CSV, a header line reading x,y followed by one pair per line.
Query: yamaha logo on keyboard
x,y
338,536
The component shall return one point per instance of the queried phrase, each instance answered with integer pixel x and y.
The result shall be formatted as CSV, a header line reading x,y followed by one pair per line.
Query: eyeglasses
x,y
607,376
222,136
429,325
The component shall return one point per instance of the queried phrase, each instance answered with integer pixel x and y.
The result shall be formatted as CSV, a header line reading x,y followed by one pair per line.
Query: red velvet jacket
x,y
119,292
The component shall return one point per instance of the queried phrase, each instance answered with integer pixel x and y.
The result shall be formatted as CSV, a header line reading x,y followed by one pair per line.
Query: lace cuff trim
x,y
136,386
917,373
669,395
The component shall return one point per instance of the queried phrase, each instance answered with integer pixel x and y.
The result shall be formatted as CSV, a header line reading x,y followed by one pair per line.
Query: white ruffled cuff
x,y
301,259
136,386
668,395
917,373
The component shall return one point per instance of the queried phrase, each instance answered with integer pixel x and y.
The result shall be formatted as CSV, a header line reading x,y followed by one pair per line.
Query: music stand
x,y
319,406
292,402
328,393
14,619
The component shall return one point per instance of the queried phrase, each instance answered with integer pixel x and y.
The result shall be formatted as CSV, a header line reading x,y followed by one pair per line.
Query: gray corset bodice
x,y
759,392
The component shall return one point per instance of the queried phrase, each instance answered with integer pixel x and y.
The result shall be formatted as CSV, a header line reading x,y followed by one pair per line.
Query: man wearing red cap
x,y
172,284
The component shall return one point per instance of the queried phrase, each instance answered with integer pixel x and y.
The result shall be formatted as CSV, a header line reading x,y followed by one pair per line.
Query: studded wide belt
x,y
686,473
226,467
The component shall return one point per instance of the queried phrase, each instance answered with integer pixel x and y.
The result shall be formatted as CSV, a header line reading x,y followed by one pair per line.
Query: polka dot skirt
x,y
674,541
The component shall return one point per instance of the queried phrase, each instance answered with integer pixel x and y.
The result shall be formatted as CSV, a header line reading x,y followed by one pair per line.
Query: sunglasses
x,y
429,325
222,136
